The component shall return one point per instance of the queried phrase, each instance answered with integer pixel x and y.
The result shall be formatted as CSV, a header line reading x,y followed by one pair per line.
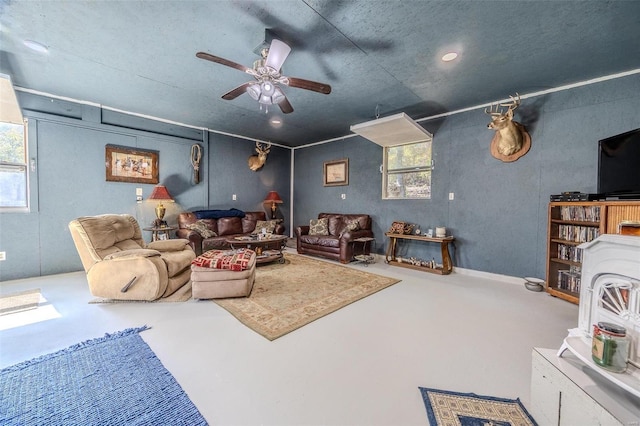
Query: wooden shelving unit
x,y
572,223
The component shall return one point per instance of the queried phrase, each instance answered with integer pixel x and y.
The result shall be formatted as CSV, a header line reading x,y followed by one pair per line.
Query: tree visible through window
x,y
13,167
407,171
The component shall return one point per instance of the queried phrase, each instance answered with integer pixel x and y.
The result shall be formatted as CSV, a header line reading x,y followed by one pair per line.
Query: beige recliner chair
x,y
120,266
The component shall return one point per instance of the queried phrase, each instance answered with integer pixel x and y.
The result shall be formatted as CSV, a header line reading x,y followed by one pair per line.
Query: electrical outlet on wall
x,y
343,196
233,197
3,255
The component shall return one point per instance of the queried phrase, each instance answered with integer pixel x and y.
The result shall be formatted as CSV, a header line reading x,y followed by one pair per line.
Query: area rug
x,y
180,295
469,409
19,301
114,380
288,296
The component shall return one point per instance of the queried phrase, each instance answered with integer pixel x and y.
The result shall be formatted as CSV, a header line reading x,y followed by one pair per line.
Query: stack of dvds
x,y
569,280
570,253
581,213
578,234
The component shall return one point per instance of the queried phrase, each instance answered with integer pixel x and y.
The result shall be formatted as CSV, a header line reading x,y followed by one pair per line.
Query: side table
x,y
447,263
364,258
160,233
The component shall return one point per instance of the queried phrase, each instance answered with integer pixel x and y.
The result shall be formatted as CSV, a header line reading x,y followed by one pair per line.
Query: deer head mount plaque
x,y
511,140
256,162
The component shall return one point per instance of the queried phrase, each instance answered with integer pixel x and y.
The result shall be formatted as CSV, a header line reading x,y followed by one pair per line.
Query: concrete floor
x,y
362,365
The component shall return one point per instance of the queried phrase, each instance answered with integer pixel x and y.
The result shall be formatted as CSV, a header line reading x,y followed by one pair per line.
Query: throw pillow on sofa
x,y
319,226
201,228
268,225
351,225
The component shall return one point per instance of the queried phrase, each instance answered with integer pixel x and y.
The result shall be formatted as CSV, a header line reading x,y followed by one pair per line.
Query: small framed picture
x,y
336,173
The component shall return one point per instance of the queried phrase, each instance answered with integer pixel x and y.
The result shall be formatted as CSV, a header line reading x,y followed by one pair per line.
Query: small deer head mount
x,y
511,140
257,161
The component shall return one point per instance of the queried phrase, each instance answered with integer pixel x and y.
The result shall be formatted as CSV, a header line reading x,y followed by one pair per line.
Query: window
x,y
407,171
13,168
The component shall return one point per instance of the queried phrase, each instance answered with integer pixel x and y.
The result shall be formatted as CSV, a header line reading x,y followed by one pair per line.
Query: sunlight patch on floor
x,y
44,312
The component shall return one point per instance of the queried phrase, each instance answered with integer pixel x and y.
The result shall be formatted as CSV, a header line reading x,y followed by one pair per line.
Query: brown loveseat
x,y
224,224
338,243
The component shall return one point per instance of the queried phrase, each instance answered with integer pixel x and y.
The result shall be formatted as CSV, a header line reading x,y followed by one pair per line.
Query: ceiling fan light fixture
x,y
254,91
267,88
266,100
278,96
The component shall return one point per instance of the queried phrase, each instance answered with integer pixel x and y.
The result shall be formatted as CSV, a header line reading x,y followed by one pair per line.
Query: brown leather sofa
x,y
237,224
338,244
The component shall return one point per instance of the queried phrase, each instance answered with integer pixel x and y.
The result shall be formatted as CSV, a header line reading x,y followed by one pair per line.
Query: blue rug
x,y
112,380
469,409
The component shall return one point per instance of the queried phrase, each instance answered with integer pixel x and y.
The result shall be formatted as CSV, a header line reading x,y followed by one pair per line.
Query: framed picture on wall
x,y
336,172
125,164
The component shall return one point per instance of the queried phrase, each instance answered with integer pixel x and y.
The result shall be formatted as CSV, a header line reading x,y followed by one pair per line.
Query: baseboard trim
x,y
489,275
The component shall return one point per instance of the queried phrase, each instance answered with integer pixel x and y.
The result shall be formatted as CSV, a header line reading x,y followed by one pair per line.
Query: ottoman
x,y
219,274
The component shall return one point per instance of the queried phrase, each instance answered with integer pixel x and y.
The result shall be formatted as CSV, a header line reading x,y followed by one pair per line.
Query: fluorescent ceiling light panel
x,y
398,129
10,111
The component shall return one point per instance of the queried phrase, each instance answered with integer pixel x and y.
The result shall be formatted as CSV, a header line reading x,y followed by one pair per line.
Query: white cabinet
x,y
566,392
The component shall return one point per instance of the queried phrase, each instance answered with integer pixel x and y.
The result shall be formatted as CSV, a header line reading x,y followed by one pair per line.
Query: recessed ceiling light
x,y
448,57
276,122
36,46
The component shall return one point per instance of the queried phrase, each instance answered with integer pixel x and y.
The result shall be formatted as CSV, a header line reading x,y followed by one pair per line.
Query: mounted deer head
x,y
511,140
257,161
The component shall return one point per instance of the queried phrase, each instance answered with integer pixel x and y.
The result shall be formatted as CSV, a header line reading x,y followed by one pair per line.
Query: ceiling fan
x,y
266,70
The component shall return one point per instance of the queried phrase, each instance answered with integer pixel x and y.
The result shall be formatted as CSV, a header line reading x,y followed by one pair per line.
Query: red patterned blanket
x,y
225,259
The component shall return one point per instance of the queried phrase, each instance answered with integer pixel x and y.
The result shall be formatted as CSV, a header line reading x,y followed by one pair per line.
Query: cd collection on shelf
x,y
580,213
570,253
578,234
569,279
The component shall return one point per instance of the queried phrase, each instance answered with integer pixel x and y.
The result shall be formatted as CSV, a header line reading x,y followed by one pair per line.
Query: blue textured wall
x,y
499,213
68,143
498,216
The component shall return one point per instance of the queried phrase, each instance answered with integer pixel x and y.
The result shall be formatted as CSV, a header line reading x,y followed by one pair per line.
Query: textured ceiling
x,y
380,57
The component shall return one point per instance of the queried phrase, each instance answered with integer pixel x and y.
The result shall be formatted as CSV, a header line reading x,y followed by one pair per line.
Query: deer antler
x,y
515,103
263,149
490,110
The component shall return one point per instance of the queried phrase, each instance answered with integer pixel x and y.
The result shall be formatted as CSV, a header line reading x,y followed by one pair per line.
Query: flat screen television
x,y
619,166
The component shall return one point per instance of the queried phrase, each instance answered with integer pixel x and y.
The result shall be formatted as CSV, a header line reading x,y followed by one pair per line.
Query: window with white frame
x,y
13,168
407,171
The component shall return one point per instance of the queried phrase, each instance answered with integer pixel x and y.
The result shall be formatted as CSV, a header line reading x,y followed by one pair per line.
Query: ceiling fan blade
x,y
278,52
232,94
285,106
222,61
301,83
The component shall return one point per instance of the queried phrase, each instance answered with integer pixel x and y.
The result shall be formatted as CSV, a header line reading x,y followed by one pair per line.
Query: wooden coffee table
x,y
260,245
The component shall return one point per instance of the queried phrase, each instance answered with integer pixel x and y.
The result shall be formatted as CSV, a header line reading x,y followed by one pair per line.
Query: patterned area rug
x,y
114,380
287,296
468,409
